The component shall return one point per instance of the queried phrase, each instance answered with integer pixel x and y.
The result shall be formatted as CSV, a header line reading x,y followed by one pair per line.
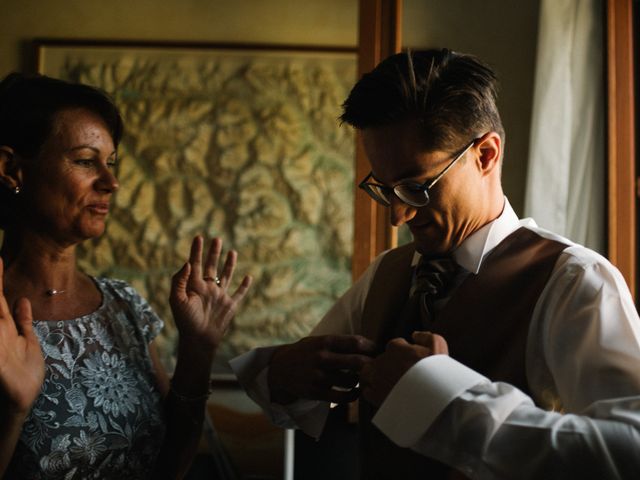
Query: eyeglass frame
x,y
425,187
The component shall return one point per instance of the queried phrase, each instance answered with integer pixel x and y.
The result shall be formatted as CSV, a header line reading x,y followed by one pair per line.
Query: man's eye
x,y
413,187
112,163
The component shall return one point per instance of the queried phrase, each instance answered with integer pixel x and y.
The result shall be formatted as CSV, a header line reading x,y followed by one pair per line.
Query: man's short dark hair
x,y
451,95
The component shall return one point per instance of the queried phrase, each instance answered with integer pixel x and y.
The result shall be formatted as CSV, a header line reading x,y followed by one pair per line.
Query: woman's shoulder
x,y
114,283
127,298
118,287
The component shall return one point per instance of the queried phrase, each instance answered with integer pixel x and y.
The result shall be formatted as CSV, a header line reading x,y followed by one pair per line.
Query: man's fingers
x,y
422,338
436,343
397,344
337,396
342,379
350,344
342,361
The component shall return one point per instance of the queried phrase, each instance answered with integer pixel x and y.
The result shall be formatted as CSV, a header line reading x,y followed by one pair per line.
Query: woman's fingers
x,y
4,307
229,305
179,284
242,289
213,256
196,271
229,267
195,257
24,318
7,323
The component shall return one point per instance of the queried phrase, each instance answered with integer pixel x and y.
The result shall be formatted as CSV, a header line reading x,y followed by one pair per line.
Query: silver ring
x,y
213,279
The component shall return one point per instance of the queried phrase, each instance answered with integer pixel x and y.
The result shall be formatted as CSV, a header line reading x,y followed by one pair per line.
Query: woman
x,y
82,393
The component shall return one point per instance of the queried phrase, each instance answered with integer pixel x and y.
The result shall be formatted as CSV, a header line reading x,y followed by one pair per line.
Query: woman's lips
x,y
99,208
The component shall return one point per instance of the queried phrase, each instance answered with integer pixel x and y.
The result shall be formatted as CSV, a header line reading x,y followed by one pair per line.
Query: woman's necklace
x,y
52,292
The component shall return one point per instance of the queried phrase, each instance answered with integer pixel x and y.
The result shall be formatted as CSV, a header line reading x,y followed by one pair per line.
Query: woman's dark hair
x,y
28,105
452,96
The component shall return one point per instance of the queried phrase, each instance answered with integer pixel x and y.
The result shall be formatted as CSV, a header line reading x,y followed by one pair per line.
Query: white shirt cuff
x,y
252,370
420,395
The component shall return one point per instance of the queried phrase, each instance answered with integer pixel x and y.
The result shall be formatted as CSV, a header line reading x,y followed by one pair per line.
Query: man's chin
x,y
429,250
428,246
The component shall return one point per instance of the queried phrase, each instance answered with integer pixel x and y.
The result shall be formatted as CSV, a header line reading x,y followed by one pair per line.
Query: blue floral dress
x,y
99,414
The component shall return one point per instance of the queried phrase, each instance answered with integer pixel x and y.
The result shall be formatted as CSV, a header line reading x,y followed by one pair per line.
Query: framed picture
x,y
240,142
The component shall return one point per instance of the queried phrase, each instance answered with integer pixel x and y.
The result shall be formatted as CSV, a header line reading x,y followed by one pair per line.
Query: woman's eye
x,y
85,162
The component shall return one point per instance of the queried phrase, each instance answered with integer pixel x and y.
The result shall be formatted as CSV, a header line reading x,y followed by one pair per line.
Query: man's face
x,y
458,203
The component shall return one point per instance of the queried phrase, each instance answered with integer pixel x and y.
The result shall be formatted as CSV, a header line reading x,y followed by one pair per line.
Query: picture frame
x,y
240,141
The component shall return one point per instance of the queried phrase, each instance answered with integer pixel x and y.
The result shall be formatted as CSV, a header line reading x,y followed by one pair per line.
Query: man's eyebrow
x,y
409,174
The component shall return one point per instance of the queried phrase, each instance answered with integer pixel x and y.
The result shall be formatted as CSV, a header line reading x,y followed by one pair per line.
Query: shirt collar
x,y
475,248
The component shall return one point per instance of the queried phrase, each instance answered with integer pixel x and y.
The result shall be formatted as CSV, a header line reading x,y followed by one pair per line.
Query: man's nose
x,y
401,213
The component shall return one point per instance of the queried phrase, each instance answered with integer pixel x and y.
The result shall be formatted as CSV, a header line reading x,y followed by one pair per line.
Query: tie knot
x,y
433,275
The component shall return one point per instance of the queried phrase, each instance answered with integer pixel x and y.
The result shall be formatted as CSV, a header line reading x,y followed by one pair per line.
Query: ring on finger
x,y
213,279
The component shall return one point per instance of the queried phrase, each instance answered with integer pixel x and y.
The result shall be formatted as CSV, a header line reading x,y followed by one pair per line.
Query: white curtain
x,y
566,174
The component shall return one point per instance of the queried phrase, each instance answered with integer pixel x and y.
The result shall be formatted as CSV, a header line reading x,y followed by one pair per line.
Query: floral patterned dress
x,y
99,414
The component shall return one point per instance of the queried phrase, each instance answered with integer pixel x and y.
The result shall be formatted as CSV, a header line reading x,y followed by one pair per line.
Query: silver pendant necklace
x,y
52,292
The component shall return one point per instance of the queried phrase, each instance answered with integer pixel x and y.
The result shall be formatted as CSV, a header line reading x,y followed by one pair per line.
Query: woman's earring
x,y
16,190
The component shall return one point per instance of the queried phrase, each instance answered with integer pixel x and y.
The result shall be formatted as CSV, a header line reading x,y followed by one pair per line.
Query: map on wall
x,y
236,143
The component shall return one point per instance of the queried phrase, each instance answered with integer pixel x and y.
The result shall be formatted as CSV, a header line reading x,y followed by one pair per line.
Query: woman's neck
x,y
36,265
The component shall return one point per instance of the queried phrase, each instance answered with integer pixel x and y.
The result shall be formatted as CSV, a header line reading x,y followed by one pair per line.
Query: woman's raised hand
x,y
201,305
21,360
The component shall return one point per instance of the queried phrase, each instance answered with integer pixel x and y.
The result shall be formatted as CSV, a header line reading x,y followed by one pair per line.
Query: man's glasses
x,y
411,193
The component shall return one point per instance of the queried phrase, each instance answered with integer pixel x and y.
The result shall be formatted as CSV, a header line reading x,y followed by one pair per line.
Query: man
x,y
506,300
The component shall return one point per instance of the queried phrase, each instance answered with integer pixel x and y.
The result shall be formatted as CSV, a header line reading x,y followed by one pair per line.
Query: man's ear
x,y
10,171
489,148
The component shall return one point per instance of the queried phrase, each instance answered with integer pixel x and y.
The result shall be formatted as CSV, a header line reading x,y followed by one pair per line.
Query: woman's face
x,y
68,187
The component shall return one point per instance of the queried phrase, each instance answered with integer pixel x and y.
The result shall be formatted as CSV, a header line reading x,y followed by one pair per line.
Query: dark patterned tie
x,y
433,278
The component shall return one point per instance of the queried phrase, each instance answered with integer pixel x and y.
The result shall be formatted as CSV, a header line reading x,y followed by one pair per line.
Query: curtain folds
x,y
565,189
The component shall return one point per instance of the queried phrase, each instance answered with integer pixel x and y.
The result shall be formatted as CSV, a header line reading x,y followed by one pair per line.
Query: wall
x,y
503,33
318,22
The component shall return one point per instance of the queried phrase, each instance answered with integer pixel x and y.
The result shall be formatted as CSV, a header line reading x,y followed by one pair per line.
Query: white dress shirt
x,y
583,356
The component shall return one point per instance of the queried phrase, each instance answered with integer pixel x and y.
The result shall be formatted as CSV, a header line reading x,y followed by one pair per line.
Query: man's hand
x,y
378,378
313,366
